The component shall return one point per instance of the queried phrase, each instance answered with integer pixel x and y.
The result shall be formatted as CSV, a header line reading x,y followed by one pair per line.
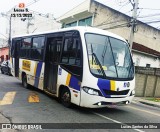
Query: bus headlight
x,y
91,91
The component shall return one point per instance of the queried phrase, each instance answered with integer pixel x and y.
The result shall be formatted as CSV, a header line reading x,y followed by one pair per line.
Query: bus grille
x,y
109,92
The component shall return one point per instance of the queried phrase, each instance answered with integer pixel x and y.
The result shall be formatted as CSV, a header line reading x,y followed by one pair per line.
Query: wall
x,y
4,52
147,82
140,59
147,86
109,19
3,42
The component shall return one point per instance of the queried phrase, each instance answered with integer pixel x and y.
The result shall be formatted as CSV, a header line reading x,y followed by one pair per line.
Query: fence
x,y
147,82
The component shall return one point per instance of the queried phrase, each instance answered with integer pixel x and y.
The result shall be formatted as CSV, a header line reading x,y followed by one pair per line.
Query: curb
x,y
151,104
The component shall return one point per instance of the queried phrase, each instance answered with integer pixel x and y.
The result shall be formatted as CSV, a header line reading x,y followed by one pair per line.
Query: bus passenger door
x,y
51,68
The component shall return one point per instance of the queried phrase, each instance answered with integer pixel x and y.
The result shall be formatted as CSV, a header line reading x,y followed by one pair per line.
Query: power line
x,y
123,6
151,19
3,35
104,22
147,36
31,3
109,23
153,22
149,9
118,26
150,15
120,2
158,27
41,14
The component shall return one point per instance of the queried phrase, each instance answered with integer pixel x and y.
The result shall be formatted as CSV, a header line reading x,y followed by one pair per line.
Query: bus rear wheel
x,y
24,81
2,72
65,97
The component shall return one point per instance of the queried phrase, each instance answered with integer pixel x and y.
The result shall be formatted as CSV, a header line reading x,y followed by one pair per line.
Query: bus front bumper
x,y
93,101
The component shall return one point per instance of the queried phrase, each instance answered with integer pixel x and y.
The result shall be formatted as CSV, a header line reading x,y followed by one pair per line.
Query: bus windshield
x,y
109,57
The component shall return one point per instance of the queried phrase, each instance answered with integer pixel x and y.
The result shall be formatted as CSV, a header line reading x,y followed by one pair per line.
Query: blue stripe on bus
x,y
104,84
38,72
74,83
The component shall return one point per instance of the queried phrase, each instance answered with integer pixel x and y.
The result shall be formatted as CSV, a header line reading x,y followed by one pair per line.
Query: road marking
x,y
33,98
8,98
144,111
135,102
118,122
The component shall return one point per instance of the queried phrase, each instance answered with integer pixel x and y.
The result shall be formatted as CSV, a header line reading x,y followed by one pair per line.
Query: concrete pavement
x,y
147,102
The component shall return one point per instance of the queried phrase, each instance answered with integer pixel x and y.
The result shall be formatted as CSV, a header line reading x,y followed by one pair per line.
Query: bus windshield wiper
x,y
130,64
104,51
103,54
97,61
113,56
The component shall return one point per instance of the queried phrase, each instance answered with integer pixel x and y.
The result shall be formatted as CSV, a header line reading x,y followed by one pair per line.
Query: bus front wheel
x,y
65,97
24,81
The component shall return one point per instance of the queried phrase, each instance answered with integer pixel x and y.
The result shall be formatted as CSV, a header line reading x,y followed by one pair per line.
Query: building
x,y
3,42
36,22
4,50
32,23
4,53
146,45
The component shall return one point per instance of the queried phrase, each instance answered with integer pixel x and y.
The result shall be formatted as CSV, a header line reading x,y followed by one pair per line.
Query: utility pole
x,y
133,22
10,25
29,24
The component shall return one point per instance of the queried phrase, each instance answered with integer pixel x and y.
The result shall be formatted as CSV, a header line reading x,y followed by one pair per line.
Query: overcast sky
x,y
59,7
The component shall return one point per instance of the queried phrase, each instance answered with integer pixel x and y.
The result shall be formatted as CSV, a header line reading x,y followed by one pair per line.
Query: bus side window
x,y
25,47
71,52
37,49
71,55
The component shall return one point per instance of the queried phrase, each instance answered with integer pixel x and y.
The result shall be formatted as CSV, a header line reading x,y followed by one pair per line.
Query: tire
x,y
24,81
9,72
65,97
2,72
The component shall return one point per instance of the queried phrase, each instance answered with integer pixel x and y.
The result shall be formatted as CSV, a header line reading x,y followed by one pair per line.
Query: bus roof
x,y
79,28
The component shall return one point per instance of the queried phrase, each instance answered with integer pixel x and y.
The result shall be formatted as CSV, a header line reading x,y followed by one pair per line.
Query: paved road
x,y
34,106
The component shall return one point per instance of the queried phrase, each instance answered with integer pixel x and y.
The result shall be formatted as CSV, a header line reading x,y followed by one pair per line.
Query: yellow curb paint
x,y
33,98
8,98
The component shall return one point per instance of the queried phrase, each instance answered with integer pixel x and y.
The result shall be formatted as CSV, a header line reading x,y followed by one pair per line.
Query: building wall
x,y
4,53
147,85
37,23
142,59
3,42
108,19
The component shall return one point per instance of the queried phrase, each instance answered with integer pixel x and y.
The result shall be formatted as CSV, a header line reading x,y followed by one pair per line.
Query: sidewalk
x,y
147,102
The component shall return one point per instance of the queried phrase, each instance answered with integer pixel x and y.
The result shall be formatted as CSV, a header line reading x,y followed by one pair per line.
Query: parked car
x,y
6,67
